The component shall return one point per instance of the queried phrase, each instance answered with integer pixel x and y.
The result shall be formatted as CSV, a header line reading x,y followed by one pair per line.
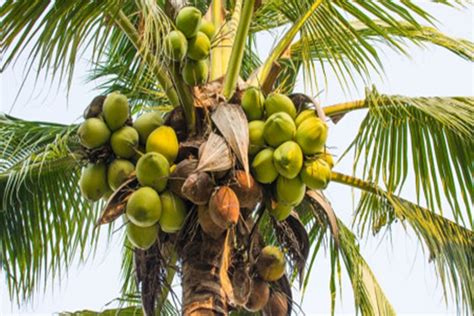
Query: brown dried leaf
x,y
215,155
320,203
117,202
231,121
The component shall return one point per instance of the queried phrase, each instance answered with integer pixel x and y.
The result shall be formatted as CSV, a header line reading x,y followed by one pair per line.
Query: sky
x,y
397,259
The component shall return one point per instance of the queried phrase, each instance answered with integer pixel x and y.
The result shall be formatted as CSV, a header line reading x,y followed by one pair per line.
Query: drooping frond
x,y
430,137
44,221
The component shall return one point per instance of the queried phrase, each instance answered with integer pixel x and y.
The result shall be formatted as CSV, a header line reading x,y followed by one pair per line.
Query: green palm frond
x,y
44,221
430,138
168,310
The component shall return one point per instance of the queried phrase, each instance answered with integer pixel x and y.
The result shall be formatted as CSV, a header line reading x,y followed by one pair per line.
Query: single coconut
x,y
311,135
207,224
180,174
280,211
93,181
252,103
118,171
259,296
93,133
224,207
327,157
278,129
277,305
173,212
195,73
304,115
207,28
271,264
142,237
198,188
115,110
144,207
316,174
277,102
288,159
153,170
163,140
175,45
263,168
199,47
147,123
247,190
256,140
290,191
124,142
188,21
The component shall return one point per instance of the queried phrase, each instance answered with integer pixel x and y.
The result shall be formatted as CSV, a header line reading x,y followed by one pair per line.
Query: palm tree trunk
x,y
202,290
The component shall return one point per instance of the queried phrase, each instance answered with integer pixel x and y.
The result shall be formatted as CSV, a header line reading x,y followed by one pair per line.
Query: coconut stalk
x,y
185,98
342,108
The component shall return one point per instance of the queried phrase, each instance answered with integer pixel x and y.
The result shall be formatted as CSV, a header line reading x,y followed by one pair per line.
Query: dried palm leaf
x,y
117,202
215,155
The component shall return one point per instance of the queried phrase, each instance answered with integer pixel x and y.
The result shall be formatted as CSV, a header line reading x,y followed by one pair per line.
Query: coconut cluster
x,y
287,148
189,45
146,149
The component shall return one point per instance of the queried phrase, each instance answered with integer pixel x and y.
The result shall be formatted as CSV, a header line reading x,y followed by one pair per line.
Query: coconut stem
x,y
354,182
186,99
345,107
220,52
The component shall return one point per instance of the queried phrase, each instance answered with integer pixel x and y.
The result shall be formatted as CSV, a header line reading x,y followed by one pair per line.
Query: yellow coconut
x,y
142,237
252,103
195,73
93,181
316,174
93,133
263,168
175,45
173,212
153,170
124,142
304,115
188,21
256,140
118,171
290,191
328,158
271,264
207,28
280,211
144,207
311,135
288,159
147,123
277,102
163,140
115,110
278,129
199,47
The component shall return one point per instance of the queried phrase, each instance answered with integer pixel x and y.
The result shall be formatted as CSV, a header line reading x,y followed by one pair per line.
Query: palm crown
x,y
51,223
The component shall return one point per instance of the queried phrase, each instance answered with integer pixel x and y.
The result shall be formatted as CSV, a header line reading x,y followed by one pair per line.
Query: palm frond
x,y
168,310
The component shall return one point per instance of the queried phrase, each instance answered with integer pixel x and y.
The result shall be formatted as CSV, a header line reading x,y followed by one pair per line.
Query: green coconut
x,y
199,47
280,211
263,168
124,142
327,157
277,102
304,115
188,21
118,171
311,135
163,140
93,181
207,28
175,45
173,212
252,103
256,140
288,159
144,207
290,191
271,263
93,133
147,123
153,170
316,174
115,110
278,129
142,237
195,73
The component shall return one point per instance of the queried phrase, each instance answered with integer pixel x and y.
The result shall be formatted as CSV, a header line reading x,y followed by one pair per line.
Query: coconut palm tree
x,y
45,222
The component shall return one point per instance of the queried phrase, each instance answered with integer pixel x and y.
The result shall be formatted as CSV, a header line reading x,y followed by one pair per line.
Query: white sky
x,y
398,262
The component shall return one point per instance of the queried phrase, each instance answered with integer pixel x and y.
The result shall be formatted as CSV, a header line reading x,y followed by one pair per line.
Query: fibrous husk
x,y
207,224
180,174
224,207
231,121
177,122
241,285
277,305
248,191
259,296
117,202
95,107
214,155
198,188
